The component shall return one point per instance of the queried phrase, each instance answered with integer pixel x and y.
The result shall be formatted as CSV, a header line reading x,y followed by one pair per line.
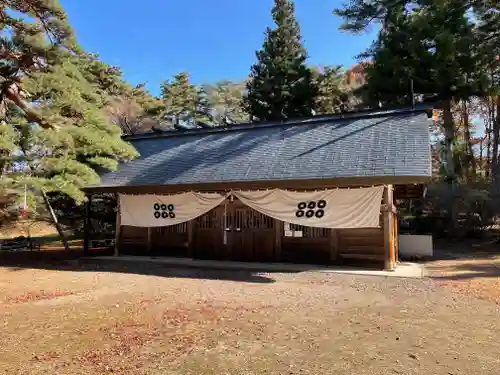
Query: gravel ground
x,y
149,319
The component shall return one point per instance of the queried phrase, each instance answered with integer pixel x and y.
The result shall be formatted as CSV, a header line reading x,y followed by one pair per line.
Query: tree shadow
x,y
491,252
191,158
342,137
267,153
471,271
72,262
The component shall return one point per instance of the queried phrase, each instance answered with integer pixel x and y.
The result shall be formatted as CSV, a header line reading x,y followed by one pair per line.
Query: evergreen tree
x,y
333,95
280,84
46,84
225,100
431,47
182,101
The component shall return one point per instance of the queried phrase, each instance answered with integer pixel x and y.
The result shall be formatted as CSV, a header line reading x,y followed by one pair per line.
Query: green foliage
x,y
225,100
47,83
183,101
333,96
359,14
438,49
280,84
431,47
152,106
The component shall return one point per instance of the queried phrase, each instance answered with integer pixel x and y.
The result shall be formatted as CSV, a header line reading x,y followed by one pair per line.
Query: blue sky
x,y
153,39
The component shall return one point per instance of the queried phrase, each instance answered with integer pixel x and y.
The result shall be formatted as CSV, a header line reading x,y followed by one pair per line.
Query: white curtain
x,y
165,210
339,208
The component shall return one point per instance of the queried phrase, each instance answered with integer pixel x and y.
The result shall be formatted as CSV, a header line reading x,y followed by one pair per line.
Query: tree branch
x,y
14,94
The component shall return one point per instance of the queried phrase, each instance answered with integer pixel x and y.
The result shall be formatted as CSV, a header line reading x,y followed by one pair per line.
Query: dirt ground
x,y
73,318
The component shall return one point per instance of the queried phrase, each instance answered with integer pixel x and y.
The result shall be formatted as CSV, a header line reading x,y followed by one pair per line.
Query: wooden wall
x,y
361,244
253,237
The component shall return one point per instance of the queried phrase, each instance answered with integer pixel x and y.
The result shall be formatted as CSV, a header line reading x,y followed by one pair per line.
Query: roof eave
x,y
264,184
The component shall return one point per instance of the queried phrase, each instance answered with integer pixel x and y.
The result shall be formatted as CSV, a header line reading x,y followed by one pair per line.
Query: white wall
x,y
415,246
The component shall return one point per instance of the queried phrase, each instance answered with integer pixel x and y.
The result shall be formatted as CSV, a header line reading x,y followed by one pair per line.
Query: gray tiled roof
x,y
376,145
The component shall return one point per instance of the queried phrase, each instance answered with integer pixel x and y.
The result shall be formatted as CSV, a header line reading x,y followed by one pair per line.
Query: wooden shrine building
x,y
389,149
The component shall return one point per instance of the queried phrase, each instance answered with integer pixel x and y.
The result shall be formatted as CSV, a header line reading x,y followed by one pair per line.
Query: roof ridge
x,y
364,114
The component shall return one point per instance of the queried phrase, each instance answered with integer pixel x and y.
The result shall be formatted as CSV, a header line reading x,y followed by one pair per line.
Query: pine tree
x,y
225,100
431,47
333,95
48,83
280,84
183,101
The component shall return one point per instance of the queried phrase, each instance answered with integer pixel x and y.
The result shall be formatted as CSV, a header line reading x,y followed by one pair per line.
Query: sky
x,y
151,40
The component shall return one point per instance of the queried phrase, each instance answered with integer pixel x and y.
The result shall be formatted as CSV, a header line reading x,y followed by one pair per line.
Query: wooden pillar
x,y
190,229
278,238
389,254
86,225
396,237
118,227
334,245
150,230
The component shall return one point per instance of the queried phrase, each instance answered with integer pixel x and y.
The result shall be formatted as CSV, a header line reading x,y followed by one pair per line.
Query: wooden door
x,y
240,233
208,235
235,232
264,237
251,235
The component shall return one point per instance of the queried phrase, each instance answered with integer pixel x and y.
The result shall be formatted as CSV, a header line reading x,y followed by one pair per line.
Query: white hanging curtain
x,y
164,210
339,208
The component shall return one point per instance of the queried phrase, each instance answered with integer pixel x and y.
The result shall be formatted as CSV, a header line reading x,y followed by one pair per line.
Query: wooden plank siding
x,y
234,231
132,240
363,243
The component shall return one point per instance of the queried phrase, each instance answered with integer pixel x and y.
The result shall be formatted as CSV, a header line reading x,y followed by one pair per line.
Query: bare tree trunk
x,y
472,159
488,134
496,136
449,135
49,208
55,221
481,148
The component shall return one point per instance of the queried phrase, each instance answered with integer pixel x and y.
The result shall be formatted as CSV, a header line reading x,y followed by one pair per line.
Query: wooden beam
x,y
190,229
86,225
311,184
396,238
389,254
150,230
118,227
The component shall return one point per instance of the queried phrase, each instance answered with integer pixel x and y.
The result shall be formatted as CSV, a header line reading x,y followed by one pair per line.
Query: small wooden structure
x,y
389,148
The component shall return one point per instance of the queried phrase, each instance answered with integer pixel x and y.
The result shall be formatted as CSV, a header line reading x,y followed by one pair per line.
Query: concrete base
x,y
406,270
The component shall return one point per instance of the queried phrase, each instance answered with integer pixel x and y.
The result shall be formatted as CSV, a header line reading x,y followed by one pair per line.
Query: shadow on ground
x,y
71,261
465,249
465,271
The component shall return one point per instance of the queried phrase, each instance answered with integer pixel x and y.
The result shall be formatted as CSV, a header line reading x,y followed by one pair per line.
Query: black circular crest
x,y
156,206
320,214
163,207
311,205
300,213
310,214
157,214
170,207
302,205
321,204
164,215
172,215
